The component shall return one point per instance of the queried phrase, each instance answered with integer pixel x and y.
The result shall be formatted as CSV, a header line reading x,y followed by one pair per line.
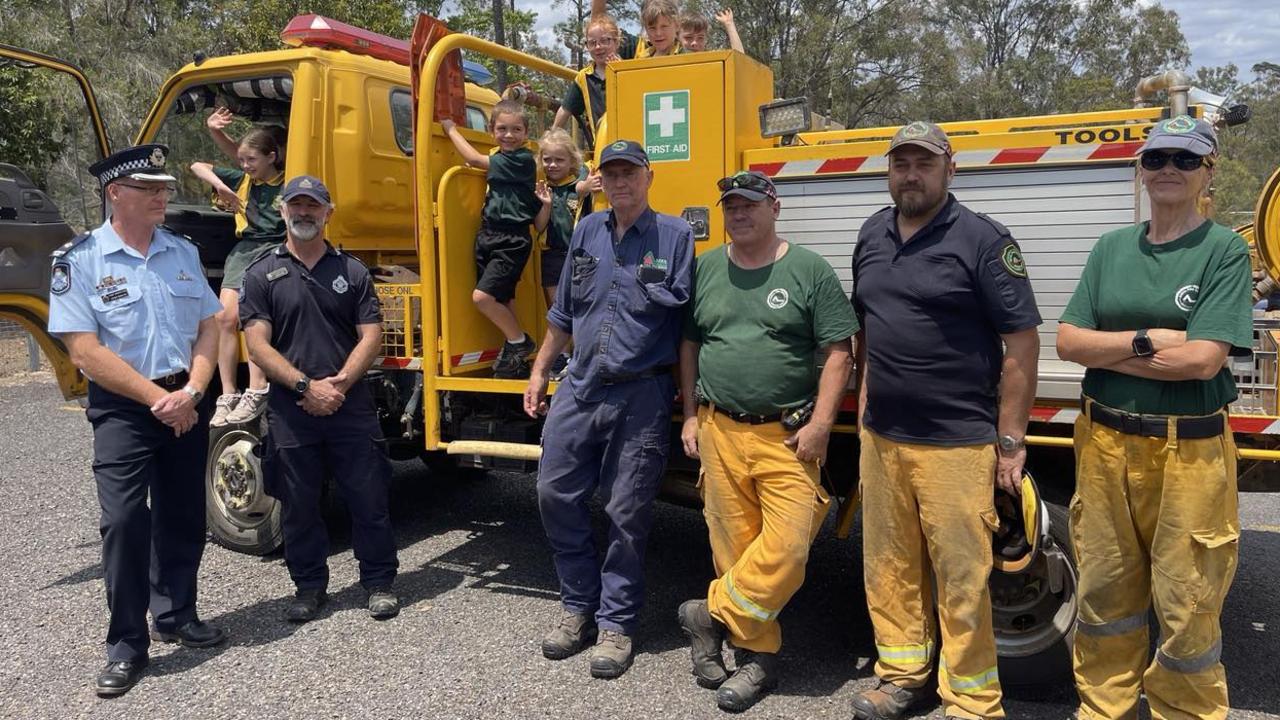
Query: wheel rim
x,y
1028,615
235,481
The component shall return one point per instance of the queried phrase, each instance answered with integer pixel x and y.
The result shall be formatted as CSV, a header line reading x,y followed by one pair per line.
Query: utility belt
x,y
1189,427
654,371
792,419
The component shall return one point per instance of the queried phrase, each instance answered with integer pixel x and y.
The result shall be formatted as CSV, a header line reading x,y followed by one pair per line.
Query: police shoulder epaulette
x,y
66,247
1000,229
176,234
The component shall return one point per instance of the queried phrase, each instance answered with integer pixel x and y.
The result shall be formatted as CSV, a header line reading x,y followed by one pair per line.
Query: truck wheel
x,y
242,516
1034,612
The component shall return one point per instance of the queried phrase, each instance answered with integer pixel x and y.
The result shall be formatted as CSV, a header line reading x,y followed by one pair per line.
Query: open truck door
x,y
32,226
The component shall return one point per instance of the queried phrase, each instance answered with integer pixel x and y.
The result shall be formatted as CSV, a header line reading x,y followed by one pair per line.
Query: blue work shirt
x,y
147,309
623,301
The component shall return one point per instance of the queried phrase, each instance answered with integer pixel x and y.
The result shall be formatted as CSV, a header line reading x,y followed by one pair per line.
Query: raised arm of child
x,y
217,123
543,217
226,196
473,157
725,18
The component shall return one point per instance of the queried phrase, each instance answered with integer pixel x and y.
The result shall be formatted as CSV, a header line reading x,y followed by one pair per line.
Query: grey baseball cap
x,y
921,133
1182,133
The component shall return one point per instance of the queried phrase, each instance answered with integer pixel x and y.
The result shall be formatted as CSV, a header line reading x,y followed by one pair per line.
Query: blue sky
x,y
1218,31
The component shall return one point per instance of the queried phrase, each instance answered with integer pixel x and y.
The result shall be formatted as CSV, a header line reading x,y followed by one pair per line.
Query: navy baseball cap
x,y
140,162
307,185
628,150
1182,133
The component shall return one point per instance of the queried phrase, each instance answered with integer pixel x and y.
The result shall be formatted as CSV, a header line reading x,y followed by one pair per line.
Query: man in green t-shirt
x,y
764,315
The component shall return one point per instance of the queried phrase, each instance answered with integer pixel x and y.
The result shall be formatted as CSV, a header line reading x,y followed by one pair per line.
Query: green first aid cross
x,y
666,125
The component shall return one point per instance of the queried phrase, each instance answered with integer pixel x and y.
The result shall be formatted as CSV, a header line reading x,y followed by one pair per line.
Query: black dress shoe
x,y
383,603
195,634
118,677
306,605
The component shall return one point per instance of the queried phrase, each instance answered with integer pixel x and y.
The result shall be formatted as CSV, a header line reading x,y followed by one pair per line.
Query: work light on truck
x,y
784,117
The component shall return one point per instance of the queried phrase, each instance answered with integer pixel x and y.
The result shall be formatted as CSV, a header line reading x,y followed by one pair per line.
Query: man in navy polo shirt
x,y
312,323
947,373
629,276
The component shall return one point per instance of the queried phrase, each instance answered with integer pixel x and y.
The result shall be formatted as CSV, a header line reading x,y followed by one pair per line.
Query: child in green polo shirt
x,y
565,196
253,194
503,243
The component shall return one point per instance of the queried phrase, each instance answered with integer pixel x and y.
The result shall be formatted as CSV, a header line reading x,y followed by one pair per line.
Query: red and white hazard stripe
x,y
472,358
965,158
397,363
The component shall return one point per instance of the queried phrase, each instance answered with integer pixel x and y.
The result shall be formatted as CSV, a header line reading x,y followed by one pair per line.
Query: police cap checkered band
x,y
143,162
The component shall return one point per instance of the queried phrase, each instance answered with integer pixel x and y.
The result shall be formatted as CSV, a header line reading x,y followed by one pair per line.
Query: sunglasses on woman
x,y
1183,160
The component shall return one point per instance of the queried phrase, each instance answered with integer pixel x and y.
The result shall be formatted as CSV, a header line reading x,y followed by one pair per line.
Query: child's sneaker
x,y
251,405
513,359
222,407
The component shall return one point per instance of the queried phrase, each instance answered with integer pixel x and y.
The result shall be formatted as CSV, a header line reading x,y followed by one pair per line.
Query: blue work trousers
x,y
618,445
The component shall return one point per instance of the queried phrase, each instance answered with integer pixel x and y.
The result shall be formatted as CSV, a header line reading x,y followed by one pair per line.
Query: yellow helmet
x,y
1016,543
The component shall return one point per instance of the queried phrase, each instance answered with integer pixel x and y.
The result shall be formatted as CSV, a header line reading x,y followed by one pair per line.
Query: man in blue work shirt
x,y
629,275
312,323
131,303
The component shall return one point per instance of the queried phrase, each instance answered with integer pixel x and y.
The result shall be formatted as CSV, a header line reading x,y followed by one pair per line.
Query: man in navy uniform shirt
x,y
629,275
132,305
312,322
947,373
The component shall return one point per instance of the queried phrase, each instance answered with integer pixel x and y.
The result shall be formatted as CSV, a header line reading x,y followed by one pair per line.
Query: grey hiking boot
x,y
756,675
706,636
574,633
251,405
611,656
513,359
222,407
886,702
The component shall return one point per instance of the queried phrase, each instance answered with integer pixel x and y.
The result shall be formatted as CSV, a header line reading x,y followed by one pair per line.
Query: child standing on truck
x,y
503,243
693,31
253,194
565,196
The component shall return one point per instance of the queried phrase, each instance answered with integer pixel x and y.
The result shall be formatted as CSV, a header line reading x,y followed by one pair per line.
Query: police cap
x,y
140,162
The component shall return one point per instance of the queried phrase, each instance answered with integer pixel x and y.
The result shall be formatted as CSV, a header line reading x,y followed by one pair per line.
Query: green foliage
x,y
25,139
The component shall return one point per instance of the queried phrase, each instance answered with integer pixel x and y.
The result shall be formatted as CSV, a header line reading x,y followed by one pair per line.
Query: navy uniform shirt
x,y
623,301
147,309
933,310
313,313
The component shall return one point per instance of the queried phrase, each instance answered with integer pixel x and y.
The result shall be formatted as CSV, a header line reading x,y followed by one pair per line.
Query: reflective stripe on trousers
x,y
763,507
928,511
1172,501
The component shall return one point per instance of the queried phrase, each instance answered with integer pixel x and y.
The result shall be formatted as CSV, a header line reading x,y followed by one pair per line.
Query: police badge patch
x,y
340,285
1011,259
60,282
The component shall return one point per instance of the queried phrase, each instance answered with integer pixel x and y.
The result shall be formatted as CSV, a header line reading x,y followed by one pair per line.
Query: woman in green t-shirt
x,y
1158,308
252,192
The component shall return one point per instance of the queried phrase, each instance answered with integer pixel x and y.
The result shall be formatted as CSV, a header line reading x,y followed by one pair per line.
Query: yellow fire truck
x,y
408,206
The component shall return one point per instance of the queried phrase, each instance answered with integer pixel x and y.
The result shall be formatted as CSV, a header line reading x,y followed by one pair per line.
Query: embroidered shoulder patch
x,y
1011,259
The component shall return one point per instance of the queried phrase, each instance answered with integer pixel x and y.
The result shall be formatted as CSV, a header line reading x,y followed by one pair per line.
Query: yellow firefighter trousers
x,y
763,508
928,507
1152,518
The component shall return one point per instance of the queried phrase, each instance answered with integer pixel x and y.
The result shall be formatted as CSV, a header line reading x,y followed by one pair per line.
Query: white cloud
x,y
1243,32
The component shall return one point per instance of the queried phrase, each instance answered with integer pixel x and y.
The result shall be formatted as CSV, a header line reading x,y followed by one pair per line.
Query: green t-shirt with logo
x,y
260,221
511,203
1200,283
760,330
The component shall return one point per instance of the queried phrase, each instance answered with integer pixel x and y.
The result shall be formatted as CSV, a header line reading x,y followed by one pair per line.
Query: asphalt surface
x,y
478,590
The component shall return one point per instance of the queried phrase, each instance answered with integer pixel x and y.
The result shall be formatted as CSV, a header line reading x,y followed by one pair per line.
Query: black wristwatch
x,y
301,385
1142,344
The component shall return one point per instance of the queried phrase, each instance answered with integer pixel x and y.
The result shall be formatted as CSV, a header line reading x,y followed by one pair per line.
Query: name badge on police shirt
x,y
277,274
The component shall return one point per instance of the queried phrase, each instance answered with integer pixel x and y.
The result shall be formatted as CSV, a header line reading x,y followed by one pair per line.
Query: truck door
x,y
32,225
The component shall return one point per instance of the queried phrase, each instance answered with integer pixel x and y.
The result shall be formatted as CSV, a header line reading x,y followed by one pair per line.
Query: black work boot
x,y
574,633
306,605
706,635
119,677
886,702
383,604
756,675
513,359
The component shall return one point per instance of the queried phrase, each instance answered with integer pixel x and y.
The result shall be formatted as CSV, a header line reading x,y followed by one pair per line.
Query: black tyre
x,y
1035,612
241,515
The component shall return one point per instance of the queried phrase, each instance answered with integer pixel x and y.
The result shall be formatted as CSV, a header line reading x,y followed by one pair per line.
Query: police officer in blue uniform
x,y
627,279
131,303
312,322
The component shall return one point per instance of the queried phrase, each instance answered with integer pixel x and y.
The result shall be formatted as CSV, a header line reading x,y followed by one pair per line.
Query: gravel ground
x,y
478,591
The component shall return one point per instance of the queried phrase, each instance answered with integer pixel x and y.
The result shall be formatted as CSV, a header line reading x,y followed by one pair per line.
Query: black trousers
x,y
150,554
302,453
